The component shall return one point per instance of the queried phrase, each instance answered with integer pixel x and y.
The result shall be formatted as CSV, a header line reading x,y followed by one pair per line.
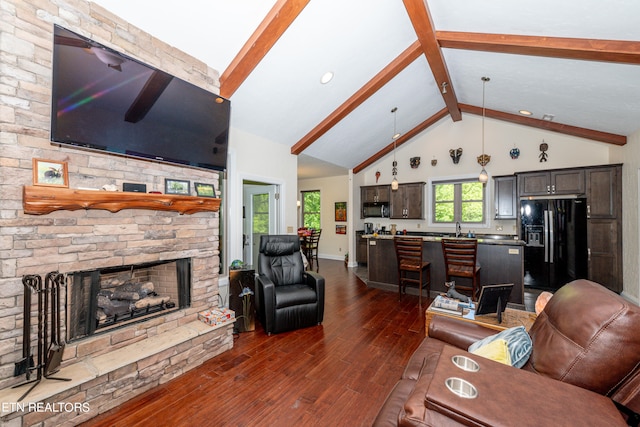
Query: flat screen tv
x,y
104,100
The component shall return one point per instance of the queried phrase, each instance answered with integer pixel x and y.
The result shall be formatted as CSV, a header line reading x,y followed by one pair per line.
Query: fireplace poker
x,y
24,365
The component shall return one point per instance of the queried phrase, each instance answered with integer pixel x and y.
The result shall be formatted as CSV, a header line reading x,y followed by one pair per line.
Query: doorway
x,y
260,216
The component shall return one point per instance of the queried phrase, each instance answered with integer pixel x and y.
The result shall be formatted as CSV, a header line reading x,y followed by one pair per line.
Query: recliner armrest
x,y
508,396
265,299
457,332
316,281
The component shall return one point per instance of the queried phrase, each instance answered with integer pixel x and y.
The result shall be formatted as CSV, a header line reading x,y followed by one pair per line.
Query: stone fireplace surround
x,y
106,369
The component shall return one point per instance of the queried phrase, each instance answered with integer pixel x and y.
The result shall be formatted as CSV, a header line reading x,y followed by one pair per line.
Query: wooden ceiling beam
x,y
627,52
594,135
402,139
403,60
279,18
423,26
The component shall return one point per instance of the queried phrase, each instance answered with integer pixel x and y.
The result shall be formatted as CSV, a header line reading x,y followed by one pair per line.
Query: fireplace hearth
x,y
103,299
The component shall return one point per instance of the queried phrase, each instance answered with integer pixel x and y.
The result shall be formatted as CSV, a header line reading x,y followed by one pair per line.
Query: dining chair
x,y
460,260
311,248
410,263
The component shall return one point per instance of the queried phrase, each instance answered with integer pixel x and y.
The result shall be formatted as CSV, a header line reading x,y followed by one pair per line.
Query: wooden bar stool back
x,y
410,263
460,260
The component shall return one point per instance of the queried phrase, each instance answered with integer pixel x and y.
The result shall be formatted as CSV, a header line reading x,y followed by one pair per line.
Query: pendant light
x,y
394,169
483,159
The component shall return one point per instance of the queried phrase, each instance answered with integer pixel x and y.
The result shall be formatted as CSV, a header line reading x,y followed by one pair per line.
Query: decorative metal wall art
x,y
455,155
414,162
543,155
514,153
434,161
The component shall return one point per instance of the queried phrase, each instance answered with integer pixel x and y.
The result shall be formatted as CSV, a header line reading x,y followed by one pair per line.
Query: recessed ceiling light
x,y
326,77
525,112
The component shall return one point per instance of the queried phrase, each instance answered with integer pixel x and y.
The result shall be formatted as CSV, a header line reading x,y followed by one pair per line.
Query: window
x,y
261,213
311,209
461,201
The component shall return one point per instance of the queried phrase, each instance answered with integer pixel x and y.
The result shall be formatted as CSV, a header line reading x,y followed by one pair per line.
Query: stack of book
x,y
448,305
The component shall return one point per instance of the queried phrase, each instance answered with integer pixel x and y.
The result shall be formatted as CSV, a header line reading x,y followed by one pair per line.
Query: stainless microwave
x,y
375,210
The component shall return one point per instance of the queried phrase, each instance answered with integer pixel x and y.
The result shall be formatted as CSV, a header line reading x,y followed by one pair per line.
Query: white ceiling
x,y
283,100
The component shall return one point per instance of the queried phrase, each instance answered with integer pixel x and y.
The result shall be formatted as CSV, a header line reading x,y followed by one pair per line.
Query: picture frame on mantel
x,y
204,190
50,173
177,186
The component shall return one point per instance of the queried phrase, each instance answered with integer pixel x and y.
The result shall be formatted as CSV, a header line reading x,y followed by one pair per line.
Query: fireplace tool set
x,y
50,346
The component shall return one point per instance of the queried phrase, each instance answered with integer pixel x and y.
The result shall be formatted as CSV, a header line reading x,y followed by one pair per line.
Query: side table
x,y
510,318
244,306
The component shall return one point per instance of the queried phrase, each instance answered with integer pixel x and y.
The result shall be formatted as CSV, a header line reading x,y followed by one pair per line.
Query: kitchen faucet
x,y
458,229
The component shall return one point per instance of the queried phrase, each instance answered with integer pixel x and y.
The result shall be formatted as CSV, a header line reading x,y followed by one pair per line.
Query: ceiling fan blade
x,y
149,94
70,41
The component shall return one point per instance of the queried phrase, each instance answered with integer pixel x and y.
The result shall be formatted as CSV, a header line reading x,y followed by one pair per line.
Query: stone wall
x,y
77,240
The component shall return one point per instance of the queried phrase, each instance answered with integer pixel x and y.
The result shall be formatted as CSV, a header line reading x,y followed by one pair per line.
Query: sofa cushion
x,y
518,343
497,350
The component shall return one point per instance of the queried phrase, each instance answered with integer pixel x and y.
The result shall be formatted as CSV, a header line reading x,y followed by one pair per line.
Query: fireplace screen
x,y
103,299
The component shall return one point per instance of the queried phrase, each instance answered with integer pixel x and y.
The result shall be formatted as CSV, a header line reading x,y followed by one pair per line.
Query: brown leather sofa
x,y
584,369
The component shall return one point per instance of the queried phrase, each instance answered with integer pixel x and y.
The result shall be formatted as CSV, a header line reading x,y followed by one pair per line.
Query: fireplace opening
x,y
103,299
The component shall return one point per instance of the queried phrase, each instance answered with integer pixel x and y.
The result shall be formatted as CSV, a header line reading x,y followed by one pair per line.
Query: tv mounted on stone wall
x,y
104,100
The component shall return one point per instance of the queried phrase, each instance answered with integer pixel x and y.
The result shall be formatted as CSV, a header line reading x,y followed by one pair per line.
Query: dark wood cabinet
x,y
505,197
604,225
375,193
361,248
407,201
557,182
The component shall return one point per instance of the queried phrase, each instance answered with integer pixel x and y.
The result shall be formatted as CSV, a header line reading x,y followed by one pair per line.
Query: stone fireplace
x,y
124,356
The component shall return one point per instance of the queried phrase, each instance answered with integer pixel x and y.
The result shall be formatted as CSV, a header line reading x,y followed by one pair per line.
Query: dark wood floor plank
x,y
338,373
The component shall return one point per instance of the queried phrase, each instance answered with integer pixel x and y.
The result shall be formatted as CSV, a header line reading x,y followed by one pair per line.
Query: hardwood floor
x,y
336,374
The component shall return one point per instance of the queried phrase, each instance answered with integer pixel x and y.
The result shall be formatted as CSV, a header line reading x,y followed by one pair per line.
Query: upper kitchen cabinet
x,y
505,197
375,193
566,181
407,201
604,192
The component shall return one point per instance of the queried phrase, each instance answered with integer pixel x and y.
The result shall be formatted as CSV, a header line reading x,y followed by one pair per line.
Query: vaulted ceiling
x,y
575,65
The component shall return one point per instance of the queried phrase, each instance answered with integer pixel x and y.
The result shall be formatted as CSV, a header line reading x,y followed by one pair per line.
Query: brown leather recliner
x,y
586,356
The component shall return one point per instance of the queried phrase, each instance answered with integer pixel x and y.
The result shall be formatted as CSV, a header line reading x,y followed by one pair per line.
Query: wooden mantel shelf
x,y
40,200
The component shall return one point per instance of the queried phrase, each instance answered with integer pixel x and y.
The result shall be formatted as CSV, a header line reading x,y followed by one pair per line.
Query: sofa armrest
x,y
507,396
457,332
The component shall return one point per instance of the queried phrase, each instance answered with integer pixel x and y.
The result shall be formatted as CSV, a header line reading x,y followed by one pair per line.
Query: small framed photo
x,y
51,173
204,190
177,186
341,229
341,211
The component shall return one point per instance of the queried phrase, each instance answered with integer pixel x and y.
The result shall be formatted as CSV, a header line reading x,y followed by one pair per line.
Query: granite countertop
x,y
487,239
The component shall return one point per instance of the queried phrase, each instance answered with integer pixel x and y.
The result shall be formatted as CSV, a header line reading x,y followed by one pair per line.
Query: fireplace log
x,y
151,301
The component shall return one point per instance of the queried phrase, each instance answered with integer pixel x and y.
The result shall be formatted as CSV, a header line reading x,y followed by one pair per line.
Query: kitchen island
x,y
501,259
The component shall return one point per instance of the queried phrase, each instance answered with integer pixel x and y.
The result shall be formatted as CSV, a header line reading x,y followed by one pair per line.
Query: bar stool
x,y
409,256
311,248
460,256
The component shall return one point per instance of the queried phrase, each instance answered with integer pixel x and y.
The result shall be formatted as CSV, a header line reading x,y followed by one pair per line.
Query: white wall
x,y
254,158
332,190
629,155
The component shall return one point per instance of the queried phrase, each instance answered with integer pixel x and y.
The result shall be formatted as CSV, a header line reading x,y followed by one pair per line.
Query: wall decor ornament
x,y
543,155
434,161
514,153
377,176
455,155
414,162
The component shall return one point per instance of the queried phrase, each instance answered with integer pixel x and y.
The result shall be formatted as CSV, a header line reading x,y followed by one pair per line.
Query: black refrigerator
x,y
555,233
